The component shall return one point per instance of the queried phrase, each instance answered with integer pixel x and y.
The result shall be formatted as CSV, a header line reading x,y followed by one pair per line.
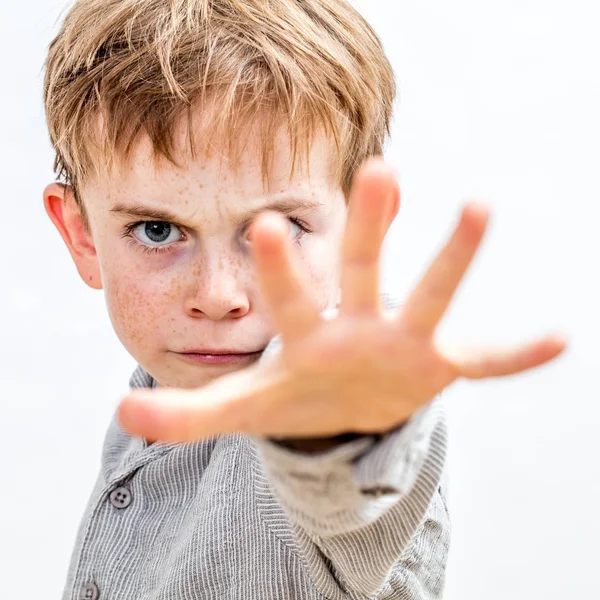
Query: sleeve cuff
x,y
351,485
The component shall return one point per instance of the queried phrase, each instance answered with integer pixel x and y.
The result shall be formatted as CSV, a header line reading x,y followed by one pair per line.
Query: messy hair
x,y
144,66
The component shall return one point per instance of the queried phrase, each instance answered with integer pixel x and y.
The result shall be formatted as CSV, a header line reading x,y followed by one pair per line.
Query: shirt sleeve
x,y
372,505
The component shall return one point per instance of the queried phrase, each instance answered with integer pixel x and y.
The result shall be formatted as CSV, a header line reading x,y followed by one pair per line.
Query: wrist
x,y
313,445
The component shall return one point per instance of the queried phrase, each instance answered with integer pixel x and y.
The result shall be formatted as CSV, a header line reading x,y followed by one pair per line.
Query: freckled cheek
x,y
137,305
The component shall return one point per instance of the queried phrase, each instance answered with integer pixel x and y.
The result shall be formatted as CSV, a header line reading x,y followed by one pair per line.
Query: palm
x,y
364,371
337,369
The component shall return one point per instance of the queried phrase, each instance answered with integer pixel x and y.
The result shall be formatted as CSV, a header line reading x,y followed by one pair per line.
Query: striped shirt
x,y
242,517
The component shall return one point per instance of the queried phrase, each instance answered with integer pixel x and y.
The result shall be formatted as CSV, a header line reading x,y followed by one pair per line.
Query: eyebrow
x,y
284,206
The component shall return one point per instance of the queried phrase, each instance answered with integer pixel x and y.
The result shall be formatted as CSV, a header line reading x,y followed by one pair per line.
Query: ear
x,y
59,202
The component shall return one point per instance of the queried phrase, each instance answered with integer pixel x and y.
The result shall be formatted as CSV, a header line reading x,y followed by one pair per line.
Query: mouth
x,y
220,357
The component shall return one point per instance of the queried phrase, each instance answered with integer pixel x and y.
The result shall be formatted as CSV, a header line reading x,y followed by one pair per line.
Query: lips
x,y
216,352
220,357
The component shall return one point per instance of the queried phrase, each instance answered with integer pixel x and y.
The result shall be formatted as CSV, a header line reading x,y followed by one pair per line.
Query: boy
x,y
295,447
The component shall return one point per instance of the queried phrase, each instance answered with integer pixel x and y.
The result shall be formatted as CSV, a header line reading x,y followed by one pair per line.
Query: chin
x,y
196,376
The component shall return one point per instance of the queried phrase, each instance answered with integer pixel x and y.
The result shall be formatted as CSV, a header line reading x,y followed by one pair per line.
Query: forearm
x,y
362,500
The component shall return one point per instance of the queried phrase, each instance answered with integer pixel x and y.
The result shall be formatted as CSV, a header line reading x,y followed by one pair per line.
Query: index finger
x,y
281,277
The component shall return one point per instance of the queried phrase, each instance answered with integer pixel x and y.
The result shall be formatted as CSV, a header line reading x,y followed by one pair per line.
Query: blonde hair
x,y
141,66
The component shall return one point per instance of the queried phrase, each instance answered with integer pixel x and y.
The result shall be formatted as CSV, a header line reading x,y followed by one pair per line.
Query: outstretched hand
x,y
365,371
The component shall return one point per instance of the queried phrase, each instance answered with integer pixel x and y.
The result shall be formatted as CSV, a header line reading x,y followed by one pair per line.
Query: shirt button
x,y
89,592
120,497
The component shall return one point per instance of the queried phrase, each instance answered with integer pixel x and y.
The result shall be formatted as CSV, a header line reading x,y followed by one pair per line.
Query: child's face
x,y
187,282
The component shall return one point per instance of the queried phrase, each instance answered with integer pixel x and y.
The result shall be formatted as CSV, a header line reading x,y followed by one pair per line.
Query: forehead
x,y
216,165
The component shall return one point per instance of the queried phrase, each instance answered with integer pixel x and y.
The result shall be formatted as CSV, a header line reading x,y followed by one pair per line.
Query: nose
x,y
218,289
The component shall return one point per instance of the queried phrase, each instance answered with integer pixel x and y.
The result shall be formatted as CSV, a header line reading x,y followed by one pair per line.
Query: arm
x,y
366,505
365,500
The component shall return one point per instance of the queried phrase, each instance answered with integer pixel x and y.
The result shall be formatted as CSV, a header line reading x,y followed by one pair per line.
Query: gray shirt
x,y
242,517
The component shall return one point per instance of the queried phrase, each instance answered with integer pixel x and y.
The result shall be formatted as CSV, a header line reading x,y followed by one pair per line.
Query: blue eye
x,y
156,233
293,224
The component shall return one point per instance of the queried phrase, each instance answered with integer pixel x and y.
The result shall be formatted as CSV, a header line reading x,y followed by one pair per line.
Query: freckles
x,y
135,309
322,280
173,289
131,310
235,266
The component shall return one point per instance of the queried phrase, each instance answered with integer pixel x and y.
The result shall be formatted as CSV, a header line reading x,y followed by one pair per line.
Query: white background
x,y
499,101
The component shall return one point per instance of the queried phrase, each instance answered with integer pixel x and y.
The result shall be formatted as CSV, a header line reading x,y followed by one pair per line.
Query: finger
x,y
374,203
279,272
227,404
428,302
498,363
165,415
